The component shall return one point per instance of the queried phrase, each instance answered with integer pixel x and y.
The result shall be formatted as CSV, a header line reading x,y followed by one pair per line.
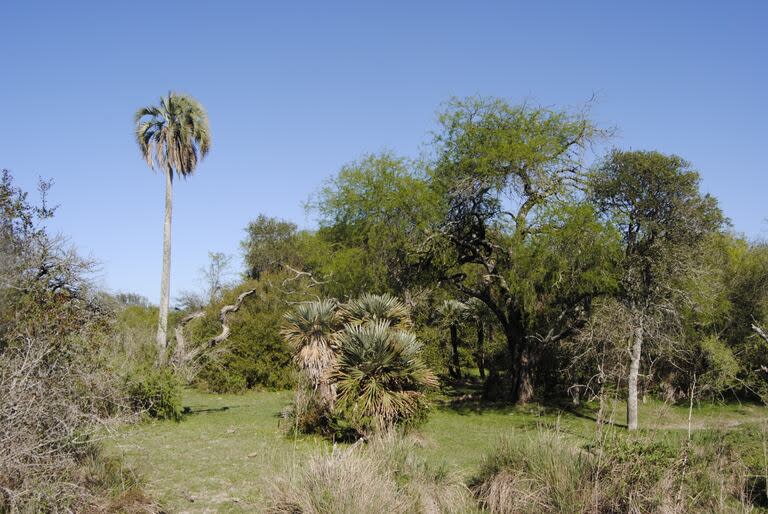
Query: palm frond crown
x,y
173,135
310,328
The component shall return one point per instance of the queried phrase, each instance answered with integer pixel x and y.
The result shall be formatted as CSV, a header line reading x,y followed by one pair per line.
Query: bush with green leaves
x,y
156,392
380,377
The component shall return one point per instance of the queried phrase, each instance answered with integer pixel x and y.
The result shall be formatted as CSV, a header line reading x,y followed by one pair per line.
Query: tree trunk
x,y
480,350
165,281
634,371
523,387
455,363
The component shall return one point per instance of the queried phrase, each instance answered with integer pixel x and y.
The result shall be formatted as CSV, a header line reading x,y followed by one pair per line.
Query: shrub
x,y
535,474
380,377
156,392
548,473
383,476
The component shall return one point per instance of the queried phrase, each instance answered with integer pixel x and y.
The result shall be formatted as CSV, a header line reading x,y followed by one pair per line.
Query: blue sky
x,y
294,90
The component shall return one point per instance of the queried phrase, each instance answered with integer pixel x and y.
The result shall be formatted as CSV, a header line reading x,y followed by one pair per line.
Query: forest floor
x,y
225,453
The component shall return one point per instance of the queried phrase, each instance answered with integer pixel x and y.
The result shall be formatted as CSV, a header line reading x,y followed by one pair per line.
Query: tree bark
x,y
165,281
634,371
456,364
523,387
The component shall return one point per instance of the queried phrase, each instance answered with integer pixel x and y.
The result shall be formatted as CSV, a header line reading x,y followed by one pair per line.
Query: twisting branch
x,y
227,309
180,352
182,357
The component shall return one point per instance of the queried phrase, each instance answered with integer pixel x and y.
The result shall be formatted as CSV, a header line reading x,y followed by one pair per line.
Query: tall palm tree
x,y
172,137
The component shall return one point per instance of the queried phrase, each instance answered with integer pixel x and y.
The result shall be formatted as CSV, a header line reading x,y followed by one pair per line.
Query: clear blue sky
x,y
294,90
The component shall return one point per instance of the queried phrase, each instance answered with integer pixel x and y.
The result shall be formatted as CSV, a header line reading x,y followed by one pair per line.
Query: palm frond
x,y
371,307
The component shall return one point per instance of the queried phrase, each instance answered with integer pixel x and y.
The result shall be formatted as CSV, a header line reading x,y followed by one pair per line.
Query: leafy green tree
x,y
654,201
172,136
505,175
270,244
371,214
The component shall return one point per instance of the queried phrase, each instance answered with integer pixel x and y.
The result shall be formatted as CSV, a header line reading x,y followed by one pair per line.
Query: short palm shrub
x,y
373,307
380,377
362,369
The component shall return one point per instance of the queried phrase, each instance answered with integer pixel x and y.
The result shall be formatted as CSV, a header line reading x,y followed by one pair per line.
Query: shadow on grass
x,y
466,398
190,410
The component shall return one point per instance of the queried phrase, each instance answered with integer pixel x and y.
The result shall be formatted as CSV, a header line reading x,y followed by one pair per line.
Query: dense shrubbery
x,y
56,388
548,472
155,392
254,355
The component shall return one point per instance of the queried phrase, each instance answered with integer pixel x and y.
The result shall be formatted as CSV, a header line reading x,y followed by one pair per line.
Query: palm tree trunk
x,y
455,363
165,281
634,371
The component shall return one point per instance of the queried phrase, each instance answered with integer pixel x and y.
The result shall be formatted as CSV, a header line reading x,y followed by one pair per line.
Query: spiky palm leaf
x,y
174,135
453,312
372,307
380,376
310,328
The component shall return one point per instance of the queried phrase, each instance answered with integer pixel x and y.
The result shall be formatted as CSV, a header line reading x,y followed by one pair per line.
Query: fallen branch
x,y
180,352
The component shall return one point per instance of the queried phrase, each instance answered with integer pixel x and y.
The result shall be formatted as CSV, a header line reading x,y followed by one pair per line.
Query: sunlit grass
x,y
223,455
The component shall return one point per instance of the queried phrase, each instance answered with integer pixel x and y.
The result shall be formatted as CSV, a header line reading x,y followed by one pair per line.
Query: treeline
x,y
523,255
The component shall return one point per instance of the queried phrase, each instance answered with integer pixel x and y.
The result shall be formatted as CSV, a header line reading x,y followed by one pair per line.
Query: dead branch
x,y
182,358
227,309
759,331
180,352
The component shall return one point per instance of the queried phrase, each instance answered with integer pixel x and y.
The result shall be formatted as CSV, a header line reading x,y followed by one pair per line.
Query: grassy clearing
x,y
225,453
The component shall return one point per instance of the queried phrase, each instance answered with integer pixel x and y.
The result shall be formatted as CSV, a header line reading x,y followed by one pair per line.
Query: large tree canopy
x,y
507,176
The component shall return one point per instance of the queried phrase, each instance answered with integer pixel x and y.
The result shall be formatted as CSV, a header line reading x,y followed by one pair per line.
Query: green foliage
x,y
156,392
655,202
255,355
270,244
364,376
374,213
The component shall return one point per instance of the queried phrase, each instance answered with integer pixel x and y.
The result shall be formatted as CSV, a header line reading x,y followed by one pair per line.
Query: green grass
x,y
222,456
